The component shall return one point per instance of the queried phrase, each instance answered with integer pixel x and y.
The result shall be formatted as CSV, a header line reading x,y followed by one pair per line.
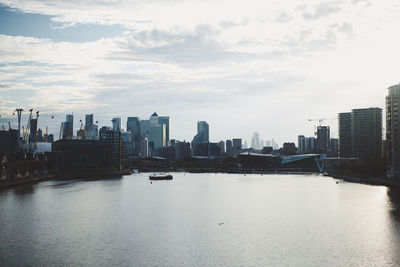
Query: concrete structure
x,y
392,131
344,143
366,133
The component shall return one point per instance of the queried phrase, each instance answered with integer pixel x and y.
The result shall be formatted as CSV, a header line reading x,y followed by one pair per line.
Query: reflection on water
x,y
200,220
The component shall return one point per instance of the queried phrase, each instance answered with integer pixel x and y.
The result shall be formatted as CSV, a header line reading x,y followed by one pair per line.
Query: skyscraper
x,y
133,125
323,136
255,141
70,126
237,145
344,143
116,122
301,144
156,133
165,120
360,133
202,135
392,131
91,130
228,144
366,133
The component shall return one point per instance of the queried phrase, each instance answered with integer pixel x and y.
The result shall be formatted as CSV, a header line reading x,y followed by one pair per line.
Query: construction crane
x,y
9,126
46,139
81,134
320,122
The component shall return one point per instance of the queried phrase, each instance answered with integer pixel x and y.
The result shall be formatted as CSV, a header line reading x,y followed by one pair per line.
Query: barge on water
x,y
160,177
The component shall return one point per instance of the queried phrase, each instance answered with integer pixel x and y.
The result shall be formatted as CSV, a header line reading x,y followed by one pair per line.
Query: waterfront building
x,y
289,149
333,147
113,138
360,133
392,131
344,143
8,143
366,133
323,136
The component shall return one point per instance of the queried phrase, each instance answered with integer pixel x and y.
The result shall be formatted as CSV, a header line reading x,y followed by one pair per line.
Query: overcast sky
x,y
242,66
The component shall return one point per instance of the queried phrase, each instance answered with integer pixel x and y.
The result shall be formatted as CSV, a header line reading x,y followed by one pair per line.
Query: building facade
x,y
344,142
392,131
366,133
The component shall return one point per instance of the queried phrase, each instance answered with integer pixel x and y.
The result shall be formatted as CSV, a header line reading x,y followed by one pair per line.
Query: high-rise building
x,y
156,133
202,135
344,143
237,145
229,150
333,147
323,136
366,133
70,125
116,122
133,125
392,131
255,141
91,130
221,147
360,133
301,144
114,140
165,120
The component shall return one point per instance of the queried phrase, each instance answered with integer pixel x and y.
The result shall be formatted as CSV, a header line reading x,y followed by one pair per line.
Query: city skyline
x,y
232,69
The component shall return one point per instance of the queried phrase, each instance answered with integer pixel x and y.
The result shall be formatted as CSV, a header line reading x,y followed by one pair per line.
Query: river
x,y
200,220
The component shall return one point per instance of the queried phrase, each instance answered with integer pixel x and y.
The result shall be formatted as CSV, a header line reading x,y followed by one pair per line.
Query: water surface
x,y
200,220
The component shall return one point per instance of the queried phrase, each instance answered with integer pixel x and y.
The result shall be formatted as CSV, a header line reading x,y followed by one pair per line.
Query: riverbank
x,y
368,180
81,174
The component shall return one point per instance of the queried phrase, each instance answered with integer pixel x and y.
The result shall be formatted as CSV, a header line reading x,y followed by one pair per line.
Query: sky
x,y
243,66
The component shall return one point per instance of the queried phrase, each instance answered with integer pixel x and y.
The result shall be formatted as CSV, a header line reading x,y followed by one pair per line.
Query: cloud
x,y
321,10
